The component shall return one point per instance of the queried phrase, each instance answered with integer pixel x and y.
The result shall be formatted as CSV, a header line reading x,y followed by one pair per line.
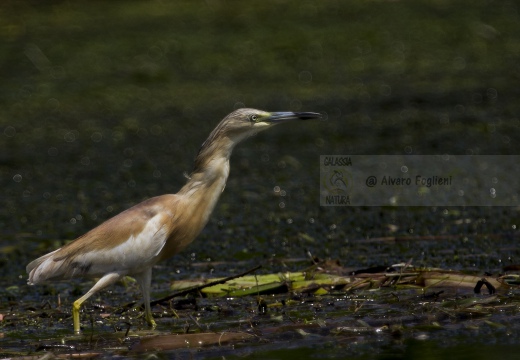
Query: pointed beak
x,y
278,117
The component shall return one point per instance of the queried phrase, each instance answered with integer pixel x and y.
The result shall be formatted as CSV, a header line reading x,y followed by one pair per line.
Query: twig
x,y
192,289
200,287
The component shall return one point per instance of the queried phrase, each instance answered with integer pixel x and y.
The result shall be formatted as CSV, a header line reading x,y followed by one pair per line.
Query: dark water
x,y
105,104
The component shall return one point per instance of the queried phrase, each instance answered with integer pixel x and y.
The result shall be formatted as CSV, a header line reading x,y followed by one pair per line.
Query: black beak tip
x,y
308,115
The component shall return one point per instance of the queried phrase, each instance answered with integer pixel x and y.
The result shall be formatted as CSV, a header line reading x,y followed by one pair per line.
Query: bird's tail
x,y
43,268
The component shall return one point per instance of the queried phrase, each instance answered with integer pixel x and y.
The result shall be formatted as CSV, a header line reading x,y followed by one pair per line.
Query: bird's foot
x,y
151,323
149,320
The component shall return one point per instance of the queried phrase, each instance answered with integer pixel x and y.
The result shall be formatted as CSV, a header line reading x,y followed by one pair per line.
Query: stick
x,y
192,289
200,287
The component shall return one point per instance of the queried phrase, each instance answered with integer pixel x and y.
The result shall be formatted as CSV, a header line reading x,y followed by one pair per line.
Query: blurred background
x,y
104,104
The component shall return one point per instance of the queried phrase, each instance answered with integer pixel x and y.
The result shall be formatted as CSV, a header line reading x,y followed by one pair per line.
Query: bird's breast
x,y
192,213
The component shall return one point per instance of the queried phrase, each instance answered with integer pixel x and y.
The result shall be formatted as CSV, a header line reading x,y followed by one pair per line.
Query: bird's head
x,y
239,125
243,123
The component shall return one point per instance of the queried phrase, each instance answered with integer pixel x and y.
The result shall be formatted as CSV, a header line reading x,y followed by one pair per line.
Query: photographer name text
x,y
419,180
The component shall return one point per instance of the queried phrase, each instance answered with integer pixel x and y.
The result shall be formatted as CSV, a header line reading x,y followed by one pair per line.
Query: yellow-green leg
x,y
106,280
75,316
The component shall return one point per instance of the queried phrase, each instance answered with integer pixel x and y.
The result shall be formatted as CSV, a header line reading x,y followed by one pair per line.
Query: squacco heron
x,y
132,242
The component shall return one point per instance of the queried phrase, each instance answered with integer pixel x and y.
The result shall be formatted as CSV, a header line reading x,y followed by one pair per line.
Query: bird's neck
x,y
198,198
209,176
205,180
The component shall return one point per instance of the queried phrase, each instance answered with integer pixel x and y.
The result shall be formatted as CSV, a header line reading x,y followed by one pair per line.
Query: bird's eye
x,y
253,118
